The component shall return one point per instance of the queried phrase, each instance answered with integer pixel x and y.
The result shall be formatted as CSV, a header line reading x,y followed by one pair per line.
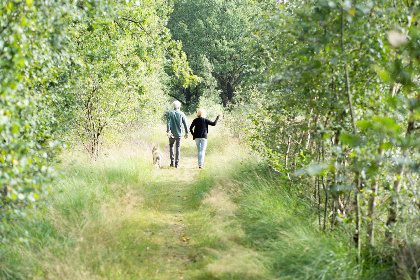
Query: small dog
x,y
157,158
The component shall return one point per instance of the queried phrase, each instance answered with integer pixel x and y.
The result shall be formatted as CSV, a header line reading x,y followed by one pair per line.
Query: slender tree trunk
x,y
333,210
308,136
326,204
188,94
319,204
94,148
358,216
393,206
325,190
318,197
353,124
313,143
371,208
289,142
230,91
224,92
317,185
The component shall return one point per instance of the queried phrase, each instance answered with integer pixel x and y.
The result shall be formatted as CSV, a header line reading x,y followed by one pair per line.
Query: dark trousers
x,y
177,142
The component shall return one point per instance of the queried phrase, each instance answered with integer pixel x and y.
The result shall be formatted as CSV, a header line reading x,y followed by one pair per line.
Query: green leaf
x,y
15,128
350,139
364,124
386,145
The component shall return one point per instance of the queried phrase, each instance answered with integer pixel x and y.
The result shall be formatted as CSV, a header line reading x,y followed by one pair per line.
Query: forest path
x,y
166,197
119,218
193,232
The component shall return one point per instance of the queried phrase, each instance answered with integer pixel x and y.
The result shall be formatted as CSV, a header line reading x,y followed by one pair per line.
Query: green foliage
x,y
210,98
340,104
75,70
118,75
219,31
32,53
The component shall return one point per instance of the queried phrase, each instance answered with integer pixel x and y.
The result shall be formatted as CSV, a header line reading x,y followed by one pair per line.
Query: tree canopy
x,y
218,31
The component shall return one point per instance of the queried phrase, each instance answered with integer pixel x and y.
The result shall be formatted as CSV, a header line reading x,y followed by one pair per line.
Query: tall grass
x,y
280,221
119,218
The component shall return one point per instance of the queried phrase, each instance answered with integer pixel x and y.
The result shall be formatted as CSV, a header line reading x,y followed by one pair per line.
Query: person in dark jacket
x,y
199,129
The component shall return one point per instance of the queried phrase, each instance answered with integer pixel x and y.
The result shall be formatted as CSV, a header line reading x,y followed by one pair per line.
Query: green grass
x,y
118,218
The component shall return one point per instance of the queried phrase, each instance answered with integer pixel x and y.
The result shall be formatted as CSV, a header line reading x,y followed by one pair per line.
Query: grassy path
x,y
119,218
195,236
166,199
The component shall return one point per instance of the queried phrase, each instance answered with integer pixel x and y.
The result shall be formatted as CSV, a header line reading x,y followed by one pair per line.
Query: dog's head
x,y
154,149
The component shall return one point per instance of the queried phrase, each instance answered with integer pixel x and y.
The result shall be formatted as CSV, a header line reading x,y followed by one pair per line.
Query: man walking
x,y
176,119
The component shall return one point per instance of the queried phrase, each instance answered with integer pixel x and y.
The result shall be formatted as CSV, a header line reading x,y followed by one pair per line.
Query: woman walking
x,y
199,129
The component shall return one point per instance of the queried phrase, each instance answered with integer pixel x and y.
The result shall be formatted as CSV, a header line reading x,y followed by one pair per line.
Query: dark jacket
x,y
200,127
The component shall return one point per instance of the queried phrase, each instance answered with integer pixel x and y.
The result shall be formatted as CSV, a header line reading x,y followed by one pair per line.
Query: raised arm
x,y
212,123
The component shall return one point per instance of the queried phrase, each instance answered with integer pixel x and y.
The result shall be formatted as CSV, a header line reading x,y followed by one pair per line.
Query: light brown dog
x,y
157,157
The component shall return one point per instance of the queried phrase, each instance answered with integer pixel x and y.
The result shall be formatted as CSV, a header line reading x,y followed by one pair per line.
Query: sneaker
x,y
201,167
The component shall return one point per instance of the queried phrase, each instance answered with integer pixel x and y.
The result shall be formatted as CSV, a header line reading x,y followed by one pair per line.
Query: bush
x,y
33,52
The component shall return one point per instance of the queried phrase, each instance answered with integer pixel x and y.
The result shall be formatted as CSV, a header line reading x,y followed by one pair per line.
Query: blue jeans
x,y
201,147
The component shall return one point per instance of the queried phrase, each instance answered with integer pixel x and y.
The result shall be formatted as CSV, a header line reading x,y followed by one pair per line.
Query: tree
x,y
218,30
32,51
119,63
340,104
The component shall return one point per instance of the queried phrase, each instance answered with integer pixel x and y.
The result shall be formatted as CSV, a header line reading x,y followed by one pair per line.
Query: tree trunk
x,y
319,202
224,96
325,189
326,204
230,91
353,124
286,159
227,92
371,208
358,216
188,95
308,136
393,206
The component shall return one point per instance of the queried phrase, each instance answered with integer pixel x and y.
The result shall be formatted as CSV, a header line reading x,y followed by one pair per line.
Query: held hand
x,y
219,115
186,135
